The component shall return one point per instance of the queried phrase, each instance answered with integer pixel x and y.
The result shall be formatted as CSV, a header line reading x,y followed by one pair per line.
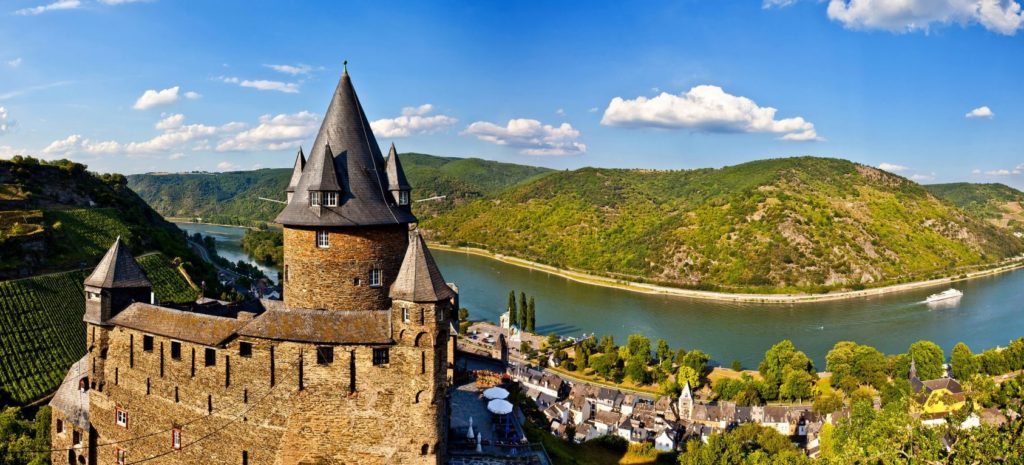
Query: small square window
x,y
175,350
324,355
121,417
210,358
323,240
381,356
121,456
376,276
244,349
357,282
147,343
176,439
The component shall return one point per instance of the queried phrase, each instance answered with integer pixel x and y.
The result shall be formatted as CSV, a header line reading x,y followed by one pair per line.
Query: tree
x,y
688,375
639,346
963,361
796,384
747,444
777,359
636,369
463,314
513,319
928,357
852,365
697,360
604,364
737,365
522,310
531,320
607,344
663,351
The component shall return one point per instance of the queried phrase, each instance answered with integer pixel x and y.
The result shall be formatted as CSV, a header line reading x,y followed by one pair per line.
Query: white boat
x,y
944,295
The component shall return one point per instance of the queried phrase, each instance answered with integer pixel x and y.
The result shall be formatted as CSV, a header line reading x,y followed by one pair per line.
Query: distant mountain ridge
x,y
998,203
801,224
233,197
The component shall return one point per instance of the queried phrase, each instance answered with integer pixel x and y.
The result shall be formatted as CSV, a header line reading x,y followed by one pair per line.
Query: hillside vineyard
x,y
351,367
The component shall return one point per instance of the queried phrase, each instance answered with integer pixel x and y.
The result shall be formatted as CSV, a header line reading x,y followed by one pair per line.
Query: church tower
x,y
116,283
345,231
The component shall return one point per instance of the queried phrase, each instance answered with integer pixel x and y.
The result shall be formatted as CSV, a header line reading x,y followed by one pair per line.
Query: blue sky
x,y
136,86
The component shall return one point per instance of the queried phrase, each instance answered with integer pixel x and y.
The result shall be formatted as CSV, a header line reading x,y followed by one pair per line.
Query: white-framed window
x,y
93,295
121,417
121,456
323,240
376,277
405,314
331,199
403,197
176,439
314,199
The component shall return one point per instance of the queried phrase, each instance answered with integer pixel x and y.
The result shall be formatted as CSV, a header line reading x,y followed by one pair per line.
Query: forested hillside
x,y
233,197
780,225
1000,204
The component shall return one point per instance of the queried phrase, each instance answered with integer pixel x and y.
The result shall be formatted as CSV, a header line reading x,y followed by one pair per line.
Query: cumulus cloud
x,y
261,84
5,122
921,177
273,133
414,120
705,108
225,166
980,112
75,143
530,136
193,95
14,63
293,70
58,5
170,122
892,168
1002,172
155,98
1000,16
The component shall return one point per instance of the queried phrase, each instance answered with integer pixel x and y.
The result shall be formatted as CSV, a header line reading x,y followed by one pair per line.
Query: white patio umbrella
x,y
496,393
470,434
478,448
499,407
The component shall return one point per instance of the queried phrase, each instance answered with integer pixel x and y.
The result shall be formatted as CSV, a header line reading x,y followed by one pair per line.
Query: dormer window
x,y
314,199
330,199
403,197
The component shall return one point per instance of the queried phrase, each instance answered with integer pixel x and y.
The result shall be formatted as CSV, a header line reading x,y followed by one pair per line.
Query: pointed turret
x,y
418,279
117,269
359,169
397,184
300,164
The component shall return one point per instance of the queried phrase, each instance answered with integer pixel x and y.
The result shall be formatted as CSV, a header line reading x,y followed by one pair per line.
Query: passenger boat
x,y
944,295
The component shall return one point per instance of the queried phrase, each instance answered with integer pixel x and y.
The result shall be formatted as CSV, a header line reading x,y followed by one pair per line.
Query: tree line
x,y
522,314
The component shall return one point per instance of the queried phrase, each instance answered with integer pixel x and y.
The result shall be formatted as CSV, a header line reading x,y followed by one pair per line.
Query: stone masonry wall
x,y
338,277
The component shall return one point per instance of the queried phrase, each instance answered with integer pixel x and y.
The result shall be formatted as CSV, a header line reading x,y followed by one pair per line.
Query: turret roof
x,y
300,164
418,279
396,175
117,269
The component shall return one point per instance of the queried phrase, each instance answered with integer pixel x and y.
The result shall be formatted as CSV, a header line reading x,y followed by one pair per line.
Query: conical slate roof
x,y
396,175
117,269
358,165
418,279
300,164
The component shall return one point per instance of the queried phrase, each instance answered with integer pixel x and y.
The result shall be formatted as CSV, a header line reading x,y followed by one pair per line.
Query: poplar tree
x,y
532,316
513,319
522,310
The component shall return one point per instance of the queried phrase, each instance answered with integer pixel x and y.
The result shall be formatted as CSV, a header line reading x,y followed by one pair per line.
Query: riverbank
x,y
174,219
585,278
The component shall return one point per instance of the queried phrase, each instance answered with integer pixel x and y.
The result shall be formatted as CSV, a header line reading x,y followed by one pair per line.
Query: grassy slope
x,y
231,198
998,203
771,225
41,329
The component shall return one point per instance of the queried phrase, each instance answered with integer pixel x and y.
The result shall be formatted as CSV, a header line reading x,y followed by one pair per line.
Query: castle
x,y
351,367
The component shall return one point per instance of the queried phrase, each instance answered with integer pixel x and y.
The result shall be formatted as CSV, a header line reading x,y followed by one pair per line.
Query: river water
x,y
990,313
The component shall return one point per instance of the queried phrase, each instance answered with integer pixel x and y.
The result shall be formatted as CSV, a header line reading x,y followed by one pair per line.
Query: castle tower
x,y
685,404
344,233
116,283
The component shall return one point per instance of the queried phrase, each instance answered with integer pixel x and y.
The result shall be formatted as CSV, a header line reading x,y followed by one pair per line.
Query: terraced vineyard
x,y
41,328
85,233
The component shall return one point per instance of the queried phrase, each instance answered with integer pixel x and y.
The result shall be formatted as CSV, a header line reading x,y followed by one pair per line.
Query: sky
x,y
928,89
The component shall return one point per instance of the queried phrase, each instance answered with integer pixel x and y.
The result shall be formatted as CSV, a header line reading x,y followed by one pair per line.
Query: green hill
x,y
57,216
1000,204
780,225
232,198
41,328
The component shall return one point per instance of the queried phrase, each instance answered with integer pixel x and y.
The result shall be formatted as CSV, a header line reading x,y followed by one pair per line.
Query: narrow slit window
x,y
323,240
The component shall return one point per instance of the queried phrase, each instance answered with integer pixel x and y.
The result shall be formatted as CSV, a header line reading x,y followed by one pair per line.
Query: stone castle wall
x,y
338,277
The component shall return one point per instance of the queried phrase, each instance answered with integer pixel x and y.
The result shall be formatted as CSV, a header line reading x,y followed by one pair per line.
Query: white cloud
x,y
273,133
705,108
560,112
225,166
286,87
920,177
176,156
767,4
998,172
75,143
170,122
154,98
193,95
5,122
593,109
293,70
14,63
530,136
58,5
980,112
892,168
414,120
121,2
1000,16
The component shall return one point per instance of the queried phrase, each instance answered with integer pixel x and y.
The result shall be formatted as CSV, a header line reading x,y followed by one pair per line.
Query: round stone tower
x,y
346,225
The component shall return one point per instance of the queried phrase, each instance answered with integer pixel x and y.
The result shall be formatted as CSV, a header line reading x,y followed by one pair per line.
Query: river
x,y
990,313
